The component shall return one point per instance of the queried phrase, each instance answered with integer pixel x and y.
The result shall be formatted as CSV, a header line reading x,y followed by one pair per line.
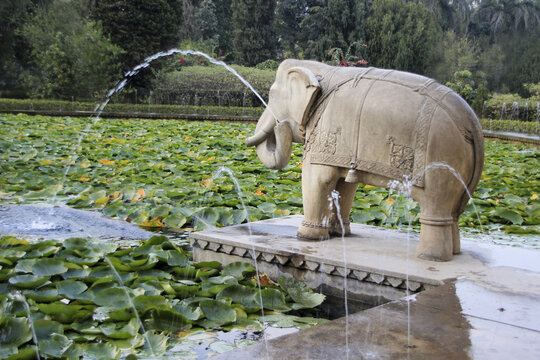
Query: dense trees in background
x,y
65,48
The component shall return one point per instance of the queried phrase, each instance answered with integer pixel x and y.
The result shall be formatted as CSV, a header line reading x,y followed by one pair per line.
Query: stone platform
x,y
484,304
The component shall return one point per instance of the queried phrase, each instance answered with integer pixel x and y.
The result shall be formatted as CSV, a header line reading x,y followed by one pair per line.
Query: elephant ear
x,y
303,90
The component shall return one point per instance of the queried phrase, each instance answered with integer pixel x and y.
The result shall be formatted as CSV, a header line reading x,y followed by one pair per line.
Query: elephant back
x,y
379,121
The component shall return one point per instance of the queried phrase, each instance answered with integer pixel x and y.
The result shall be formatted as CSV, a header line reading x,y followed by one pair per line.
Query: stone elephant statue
x,y
373,126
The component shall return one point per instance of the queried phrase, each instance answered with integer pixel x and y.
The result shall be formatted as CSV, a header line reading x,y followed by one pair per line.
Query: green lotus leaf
x,y
189,311
14,331
121,331
23,354
510,215
300,293
155,344
25,265
280,320
169,320
217,311
205,273
66,314
12,254
267,207
161,210
175,220
221,346
239,270
184,291
154,274
244,295
176,258
114,297
49,267
206,218
71,288
132,343
5,274
28,281
207,264
103,351
273,299
239,215
87,328
143,303
54,346
184,273
150,287
44,249
43,295
44,328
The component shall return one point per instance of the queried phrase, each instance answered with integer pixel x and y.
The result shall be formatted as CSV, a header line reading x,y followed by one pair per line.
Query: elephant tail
x,y
478,148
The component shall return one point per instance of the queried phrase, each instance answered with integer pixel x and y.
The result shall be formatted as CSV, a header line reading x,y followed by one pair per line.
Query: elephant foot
x,y
337,230
312,231
436,240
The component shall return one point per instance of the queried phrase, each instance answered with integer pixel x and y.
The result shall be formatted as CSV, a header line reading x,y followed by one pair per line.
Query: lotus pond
x,y
159,174
78,299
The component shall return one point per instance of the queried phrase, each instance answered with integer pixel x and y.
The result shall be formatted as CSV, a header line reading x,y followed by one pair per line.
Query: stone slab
x,y
374,256
484,304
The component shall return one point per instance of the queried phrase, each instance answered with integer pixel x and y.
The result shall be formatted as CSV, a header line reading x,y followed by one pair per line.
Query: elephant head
x,y
283,122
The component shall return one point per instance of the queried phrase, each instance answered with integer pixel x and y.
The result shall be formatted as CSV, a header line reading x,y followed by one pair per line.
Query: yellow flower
x,y
106,162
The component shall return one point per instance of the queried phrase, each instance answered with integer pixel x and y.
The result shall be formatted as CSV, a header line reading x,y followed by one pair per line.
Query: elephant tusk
x,y
262,134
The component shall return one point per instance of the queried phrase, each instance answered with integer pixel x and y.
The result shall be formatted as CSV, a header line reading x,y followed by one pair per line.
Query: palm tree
x,y
508,15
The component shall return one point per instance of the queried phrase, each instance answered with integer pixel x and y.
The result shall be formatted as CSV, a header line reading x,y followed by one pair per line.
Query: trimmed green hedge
x,y
501,106
207,85
60,105
526,127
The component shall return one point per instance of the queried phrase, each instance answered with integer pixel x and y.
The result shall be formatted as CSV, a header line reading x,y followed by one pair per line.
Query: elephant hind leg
x,y
346,198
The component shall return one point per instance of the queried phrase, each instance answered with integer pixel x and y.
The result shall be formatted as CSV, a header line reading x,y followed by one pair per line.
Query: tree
x,y
505,16
254,32
334,24
140,27
69,56
289,16
401,35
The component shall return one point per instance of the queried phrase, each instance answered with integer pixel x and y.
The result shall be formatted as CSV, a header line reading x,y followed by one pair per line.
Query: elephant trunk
x,y
273,142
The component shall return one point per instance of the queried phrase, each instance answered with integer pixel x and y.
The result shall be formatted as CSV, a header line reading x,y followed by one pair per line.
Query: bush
x,y
136,110
523,127
511,107
213,86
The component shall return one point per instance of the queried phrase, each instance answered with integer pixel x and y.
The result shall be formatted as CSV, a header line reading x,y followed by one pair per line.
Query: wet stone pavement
x,y
62,222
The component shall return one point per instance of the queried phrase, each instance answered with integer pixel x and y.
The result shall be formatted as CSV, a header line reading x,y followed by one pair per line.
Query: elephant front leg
x,y
318,181
339,222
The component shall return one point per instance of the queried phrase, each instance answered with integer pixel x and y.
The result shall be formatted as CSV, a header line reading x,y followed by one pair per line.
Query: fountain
x,y
424,310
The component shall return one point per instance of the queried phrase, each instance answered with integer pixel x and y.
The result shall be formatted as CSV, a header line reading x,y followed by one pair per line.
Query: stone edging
x,y
298,262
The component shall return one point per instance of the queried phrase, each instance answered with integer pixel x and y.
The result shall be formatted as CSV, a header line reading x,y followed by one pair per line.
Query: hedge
x,y
213,86
525,127
511,107
138,109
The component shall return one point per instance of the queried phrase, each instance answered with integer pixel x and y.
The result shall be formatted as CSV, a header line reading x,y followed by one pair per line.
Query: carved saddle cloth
x,y
374,120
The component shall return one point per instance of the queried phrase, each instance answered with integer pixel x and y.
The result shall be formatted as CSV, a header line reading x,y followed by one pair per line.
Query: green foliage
x,y
139,110
400,35
205,82
160,173
71,57
471,88
334,24
90,315
524,127
503,107
455,53
254,33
